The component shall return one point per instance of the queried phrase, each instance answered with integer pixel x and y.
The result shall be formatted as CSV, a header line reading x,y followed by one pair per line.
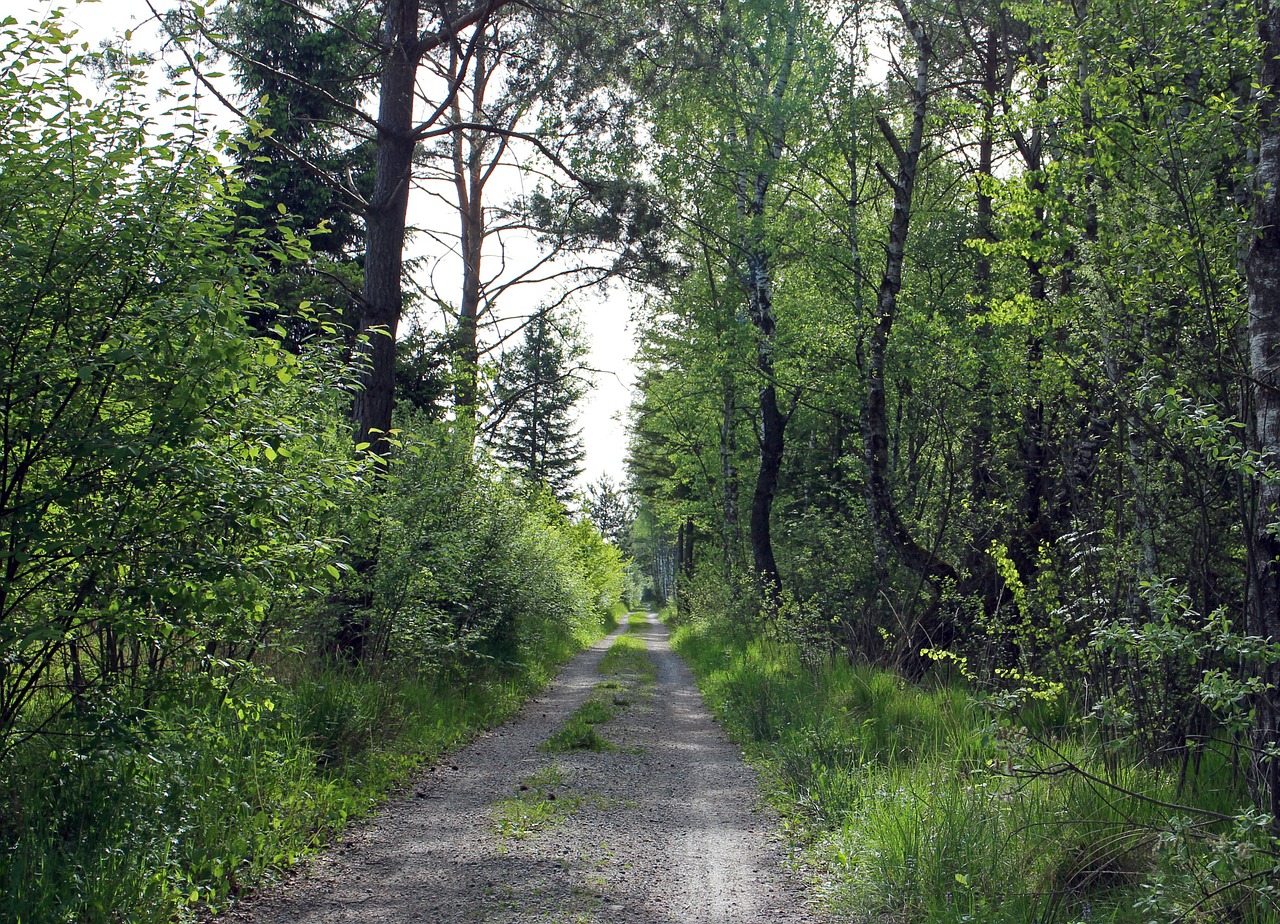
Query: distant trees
x,y
538,384
609,508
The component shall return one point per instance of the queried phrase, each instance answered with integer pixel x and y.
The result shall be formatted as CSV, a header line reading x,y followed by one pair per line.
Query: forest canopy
x,y
953,451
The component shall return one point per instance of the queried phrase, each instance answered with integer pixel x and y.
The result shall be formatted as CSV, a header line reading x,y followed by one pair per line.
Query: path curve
x,y
663,829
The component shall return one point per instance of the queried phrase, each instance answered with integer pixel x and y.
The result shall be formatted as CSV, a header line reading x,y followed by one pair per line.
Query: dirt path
x,y
660,828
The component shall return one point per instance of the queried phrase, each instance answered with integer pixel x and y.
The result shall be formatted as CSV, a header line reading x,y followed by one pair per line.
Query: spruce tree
x,y
303,72
537,386
609,509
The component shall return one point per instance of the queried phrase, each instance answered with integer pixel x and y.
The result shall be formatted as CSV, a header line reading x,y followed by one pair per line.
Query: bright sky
x,y
604,318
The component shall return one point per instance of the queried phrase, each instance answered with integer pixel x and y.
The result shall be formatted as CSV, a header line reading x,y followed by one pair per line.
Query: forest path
x,y
659,828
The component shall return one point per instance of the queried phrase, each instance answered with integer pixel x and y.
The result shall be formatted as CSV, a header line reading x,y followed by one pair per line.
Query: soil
x,y
663,826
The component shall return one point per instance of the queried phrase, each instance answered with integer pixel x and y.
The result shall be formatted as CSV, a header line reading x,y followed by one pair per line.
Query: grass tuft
x,y
628,658
538,804
579,732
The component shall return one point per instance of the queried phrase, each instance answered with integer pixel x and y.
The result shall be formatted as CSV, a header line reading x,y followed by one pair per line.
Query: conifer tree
x,y
537,386
609,509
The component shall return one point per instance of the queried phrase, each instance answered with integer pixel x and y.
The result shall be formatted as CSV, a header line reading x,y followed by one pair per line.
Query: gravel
x,y
664,827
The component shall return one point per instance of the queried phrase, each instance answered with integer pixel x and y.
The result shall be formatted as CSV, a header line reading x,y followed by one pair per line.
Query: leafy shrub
x,y
177,491
473,570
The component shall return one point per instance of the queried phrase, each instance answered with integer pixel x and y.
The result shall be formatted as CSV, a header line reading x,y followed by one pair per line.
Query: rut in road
x,y
662,827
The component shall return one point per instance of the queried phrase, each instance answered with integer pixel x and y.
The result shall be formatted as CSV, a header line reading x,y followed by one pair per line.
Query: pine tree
x,y
609,508
303,72
537,386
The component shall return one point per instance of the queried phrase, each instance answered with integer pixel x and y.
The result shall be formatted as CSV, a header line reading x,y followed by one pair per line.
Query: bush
x,y
176,491
471,569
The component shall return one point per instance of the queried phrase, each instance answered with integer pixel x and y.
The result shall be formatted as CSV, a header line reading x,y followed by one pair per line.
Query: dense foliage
x,y
959,356
189,536
957,363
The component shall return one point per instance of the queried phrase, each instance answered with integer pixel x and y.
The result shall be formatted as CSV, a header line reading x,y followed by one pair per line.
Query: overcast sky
x,y
605,319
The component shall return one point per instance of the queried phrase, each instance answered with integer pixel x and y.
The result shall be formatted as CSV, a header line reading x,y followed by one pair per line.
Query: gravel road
x,y
662,827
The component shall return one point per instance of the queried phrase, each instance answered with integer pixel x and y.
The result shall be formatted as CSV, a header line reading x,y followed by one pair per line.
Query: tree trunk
x,y
879,496
469,176
467,351
731,537
1262,270
773,425
752,189
978,564
1033,451
684,566
383,295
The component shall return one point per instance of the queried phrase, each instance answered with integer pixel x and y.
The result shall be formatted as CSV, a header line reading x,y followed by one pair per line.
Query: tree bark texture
x,y
730,534
469,177
383,292
978,565
1262,270
757,281
773,425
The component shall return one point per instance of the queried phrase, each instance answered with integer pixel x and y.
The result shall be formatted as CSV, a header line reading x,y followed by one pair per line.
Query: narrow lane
x,y
659,827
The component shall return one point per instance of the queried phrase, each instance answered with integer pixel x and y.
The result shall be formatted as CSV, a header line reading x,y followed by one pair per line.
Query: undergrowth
x,y
920,806
212,800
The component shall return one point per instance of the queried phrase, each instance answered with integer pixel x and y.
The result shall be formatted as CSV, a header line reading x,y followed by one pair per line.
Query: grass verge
x,y
213,799
918,806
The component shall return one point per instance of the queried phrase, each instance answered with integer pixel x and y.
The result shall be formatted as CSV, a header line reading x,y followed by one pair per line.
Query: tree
x,y
395,51
161,470
537,387
304,75
1262,267
728,139
609,508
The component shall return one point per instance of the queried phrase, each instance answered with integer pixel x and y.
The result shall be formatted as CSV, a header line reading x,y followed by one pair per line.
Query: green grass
x,y
628,657
208,800
579,732
628,666
920,808
539,803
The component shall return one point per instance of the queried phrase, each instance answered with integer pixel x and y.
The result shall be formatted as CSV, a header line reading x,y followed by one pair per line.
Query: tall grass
x,y
920,805
197,804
